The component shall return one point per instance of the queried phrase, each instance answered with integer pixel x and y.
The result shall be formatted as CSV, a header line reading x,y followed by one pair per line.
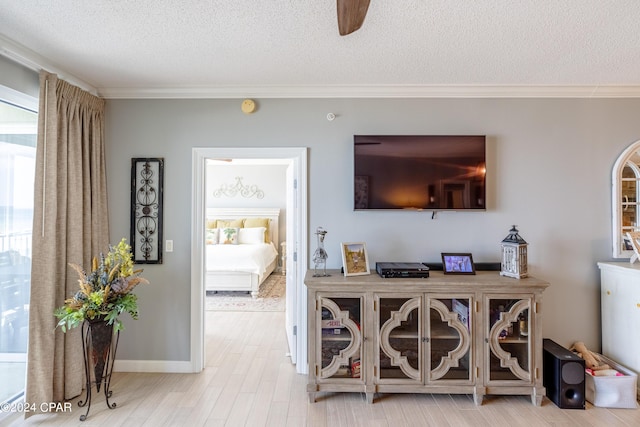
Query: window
x,y
18,134
630,178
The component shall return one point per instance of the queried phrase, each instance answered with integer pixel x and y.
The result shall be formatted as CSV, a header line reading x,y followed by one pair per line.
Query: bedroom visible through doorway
x,y
270,178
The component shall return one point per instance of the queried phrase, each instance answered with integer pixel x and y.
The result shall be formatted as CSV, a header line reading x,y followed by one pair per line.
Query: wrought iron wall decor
x,y
232,190
147,176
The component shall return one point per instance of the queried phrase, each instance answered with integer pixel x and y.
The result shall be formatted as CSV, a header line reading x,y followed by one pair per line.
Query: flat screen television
x,y
419,172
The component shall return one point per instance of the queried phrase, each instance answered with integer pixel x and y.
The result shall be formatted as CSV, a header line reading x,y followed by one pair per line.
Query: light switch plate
x,y
169,245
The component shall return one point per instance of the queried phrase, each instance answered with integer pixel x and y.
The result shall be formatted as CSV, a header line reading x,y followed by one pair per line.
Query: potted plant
x,y
105,292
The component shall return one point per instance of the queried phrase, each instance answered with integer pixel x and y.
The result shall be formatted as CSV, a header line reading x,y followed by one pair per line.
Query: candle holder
x,y
514,255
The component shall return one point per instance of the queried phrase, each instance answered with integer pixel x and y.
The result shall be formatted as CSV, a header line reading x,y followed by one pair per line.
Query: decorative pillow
x,y
259,222
212,237
210,224
228,236
251,235
222,223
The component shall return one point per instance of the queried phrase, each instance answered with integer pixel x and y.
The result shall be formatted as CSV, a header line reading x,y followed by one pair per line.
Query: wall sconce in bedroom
x,y
331,117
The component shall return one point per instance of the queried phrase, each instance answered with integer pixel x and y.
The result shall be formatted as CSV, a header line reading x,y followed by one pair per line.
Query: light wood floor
x,y
249,381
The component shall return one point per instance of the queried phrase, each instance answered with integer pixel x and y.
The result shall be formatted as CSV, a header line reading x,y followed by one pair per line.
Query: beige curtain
x,y
70,225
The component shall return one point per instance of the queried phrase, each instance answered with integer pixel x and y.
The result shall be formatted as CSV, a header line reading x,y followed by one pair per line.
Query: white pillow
x,y
228,236
251,235
212,236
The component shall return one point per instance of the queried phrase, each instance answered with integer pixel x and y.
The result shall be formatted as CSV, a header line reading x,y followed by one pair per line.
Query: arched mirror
x,y
626,199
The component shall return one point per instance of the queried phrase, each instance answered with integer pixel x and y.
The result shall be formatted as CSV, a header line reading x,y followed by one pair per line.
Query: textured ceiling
x,y
226,47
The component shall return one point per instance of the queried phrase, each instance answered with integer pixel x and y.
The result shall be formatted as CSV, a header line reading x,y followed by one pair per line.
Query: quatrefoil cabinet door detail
x,y
400,356
449,325
509,340
340,343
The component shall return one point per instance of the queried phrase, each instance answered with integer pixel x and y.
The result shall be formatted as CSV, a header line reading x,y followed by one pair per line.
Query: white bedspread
x,y
248,258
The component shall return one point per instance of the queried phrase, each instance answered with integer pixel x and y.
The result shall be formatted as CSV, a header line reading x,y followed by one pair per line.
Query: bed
x,y
240,248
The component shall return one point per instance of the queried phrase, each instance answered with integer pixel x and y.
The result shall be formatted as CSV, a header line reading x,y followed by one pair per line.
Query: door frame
x,y
296,249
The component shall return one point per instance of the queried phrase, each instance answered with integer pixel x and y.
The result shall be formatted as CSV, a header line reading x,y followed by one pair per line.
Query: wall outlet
x,y
168,246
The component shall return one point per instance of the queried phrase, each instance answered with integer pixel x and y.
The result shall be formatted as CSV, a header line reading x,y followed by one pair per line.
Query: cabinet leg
x,y
478,398
312,397
370,397
536,397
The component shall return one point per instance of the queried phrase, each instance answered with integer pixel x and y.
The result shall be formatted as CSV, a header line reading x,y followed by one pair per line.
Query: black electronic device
x,y
563,376
415,270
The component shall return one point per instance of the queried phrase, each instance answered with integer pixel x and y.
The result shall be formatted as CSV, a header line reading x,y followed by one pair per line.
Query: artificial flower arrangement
x,y
105,293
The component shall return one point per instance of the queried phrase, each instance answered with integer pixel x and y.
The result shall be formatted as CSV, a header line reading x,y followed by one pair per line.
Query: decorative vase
x,y
101,335
320,255
99,347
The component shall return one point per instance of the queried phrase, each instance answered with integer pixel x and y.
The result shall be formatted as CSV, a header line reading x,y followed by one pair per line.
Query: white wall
x,y
549,167
270,179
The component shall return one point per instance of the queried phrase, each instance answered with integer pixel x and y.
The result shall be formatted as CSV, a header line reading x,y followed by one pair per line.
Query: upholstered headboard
x,y
227,214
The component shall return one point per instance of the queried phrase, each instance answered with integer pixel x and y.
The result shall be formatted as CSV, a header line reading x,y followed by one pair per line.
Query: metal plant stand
x,y
99,347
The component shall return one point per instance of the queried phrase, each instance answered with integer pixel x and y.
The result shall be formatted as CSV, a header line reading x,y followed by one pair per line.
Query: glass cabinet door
x,y
340,346
509,339
449,325
399,357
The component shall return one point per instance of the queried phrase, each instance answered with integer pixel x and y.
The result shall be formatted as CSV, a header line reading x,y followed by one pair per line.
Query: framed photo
x,y
355,260
457,263
147,181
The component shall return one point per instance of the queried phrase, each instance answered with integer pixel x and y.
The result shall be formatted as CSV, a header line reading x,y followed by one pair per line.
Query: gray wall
x,y
19,78
549,171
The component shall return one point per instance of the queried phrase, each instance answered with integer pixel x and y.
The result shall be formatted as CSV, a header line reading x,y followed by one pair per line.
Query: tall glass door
x,y
18,128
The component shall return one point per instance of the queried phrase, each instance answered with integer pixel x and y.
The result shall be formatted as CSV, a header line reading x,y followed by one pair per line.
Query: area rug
x,y
270,297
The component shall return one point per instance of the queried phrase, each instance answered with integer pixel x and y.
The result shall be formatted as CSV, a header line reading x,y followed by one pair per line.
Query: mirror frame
x,y
616,192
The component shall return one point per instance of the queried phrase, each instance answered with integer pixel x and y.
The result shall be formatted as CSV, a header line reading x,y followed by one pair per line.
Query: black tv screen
x,y
421,172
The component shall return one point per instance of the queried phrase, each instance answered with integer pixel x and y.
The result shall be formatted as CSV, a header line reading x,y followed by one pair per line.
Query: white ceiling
x,y
230,48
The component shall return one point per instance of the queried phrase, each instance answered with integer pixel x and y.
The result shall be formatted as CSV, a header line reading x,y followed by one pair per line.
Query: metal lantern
x,y
514,255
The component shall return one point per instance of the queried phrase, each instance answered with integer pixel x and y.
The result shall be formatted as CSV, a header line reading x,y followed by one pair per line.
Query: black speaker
x,y
563,376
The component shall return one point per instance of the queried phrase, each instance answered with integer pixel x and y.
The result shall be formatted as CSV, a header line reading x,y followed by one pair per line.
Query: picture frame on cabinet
x,y
457,263
355,260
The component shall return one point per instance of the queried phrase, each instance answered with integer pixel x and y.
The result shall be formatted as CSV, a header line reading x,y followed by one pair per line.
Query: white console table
x,y
620,312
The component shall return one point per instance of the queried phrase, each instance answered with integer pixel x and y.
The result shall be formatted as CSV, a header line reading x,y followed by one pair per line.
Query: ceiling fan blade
x,y
351,14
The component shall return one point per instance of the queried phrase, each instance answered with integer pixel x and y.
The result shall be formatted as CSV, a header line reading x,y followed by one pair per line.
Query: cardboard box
x,y
612,392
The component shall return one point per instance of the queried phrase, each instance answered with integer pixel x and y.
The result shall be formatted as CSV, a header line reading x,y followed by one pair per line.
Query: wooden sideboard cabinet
x,y
471,334
620,313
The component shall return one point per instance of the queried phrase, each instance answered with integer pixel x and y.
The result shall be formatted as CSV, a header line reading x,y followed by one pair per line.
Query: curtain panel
x,y
70,225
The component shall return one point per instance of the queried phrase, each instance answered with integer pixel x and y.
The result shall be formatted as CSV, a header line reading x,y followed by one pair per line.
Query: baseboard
x,y
159,366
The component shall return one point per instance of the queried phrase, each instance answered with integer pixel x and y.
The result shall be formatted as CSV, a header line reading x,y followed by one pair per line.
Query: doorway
x,y
296,242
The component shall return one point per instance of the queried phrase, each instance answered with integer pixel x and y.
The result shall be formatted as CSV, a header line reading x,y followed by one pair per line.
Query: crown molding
x,y
377,91
34,61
